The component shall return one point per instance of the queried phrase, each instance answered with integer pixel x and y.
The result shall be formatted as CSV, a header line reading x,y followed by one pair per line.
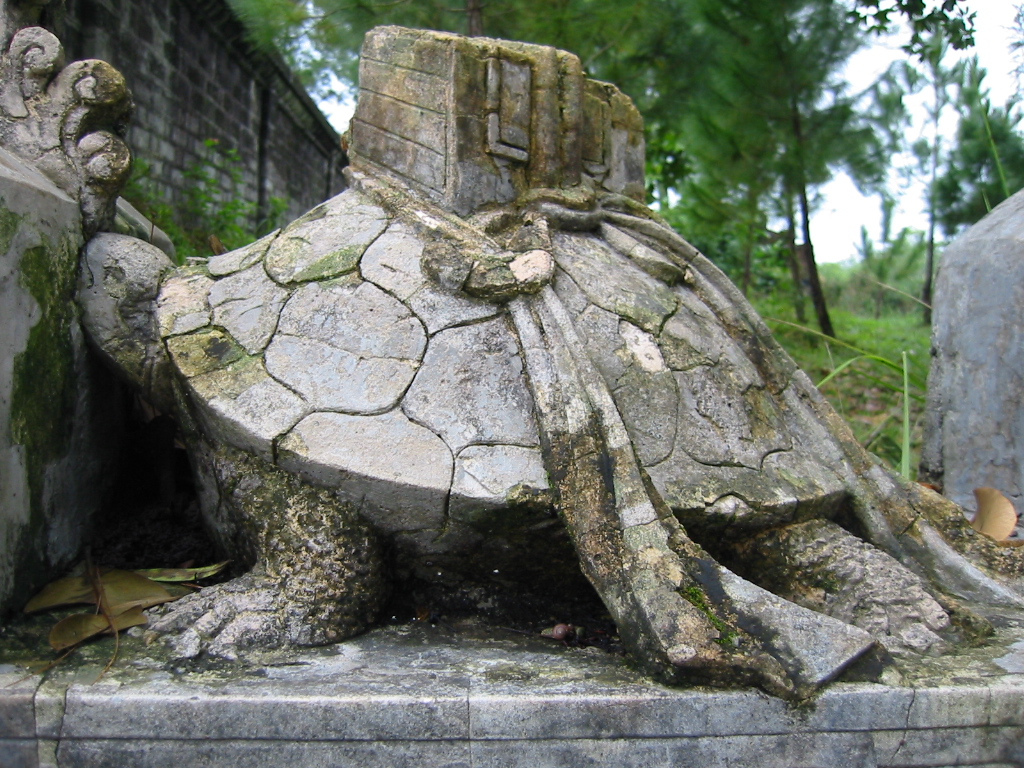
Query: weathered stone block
x,y
307,712
973,435
399,470
247,304
470,389
417,89
422,358
413,161
945,746
20,753
246,754
52,464
793,751
17,712
512,117
419,124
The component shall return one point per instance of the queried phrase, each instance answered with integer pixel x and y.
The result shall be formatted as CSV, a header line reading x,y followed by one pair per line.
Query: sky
x,y
835,227
836,224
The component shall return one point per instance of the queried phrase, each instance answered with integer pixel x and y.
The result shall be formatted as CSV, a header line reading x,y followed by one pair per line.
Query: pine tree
x,y
986,162
773,121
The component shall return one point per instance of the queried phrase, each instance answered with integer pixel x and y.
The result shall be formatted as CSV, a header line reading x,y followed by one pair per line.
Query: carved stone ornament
x,y
68,120
488,349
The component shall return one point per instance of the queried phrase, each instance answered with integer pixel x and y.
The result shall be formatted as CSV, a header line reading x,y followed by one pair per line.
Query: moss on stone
x,y
696,597
43,387
43,396
9,222
204,351
333,264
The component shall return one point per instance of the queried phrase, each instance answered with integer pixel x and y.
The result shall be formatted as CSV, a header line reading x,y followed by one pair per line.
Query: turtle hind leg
x,y
319,575
680,613
820,566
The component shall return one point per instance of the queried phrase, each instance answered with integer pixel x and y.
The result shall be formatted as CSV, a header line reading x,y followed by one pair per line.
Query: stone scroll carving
x,y
488,345
68,120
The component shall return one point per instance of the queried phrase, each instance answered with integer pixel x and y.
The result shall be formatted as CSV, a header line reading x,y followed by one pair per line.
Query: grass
x,y
863,375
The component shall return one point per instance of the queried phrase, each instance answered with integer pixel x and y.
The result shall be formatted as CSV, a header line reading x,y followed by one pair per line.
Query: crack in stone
x,y
906,727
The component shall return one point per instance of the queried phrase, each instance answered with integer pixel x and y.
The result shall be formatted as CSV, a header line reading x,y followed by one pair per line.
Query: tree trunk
x,y
806,251
811,269
748,242
799,305
929,263
807,248
474,18
929,268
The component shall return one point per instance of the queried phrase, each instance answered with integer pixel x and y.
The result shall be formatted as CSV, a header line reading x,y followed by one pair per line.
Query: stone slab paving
x,y
479,697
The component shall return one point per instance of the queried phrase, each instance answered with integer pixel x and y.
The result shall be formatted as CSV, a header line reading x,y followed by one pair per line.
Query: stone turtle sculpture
x,y
487,328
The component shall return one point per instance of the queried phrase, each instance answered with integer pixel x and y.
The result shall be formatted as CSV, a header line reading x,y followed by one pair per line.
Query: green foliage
x,y
927,19
320,39
727,634
746,110
986,163
769,121
214,204
885,280
862,374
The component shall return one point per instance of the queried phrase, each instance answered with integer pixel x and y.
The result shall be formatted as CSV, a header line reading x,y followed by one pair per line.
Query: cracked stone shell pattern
x,y
339,359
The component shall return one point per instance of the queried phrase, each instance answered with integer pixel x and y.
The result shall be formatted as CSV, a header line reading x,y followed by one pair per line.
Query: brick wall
x,y
195,77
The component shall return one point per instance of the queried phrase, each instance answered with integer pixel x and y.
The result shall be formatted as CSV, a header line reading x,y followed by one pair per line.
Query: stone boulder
x,y
974,433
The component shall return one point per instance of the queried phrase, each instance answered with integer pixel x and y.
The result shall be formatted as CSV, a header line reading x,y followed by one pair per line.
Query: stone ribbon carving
x,y
68,120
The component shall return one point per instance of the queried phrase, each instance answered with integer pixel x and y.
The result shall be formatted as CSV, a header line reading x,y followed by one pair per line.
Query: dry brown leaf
x,y
996,517
183,574
179,590
75,629
72,590
216,246
72,630
125,590
131,618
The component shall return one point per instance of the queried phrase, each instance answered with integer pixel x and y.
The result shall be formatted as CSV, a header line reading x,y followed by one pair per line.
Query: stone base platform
x,y
478,697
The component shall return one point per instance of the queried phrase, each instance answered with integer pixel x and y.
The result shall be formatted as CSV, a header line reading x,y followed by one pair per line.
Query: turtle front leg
x,y
318,575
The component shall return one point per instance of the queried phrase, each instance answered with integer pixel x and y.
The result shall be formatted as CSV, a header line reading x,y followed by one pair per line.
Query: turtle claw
x,y
253,611
250,611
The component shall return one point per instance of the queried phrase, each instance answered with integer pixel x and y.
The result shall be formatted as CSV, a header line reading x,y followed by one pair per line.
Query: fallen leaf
x,y
180,589
71,590
996,517
125,590
183,574
217,246
81,626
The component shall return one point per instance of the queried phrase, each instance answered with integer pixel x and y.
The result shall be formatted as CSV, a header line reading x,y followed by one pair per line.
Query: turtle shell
x,y
328,349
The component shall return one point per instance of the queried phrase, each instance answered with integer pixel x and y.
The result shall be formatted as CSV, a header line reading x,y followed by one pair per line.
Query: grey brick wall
x,y
195,77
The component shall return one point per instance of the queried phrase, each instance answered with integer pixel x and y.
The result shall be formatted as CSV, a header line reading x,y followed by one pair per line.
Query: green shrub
x,y
214,204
